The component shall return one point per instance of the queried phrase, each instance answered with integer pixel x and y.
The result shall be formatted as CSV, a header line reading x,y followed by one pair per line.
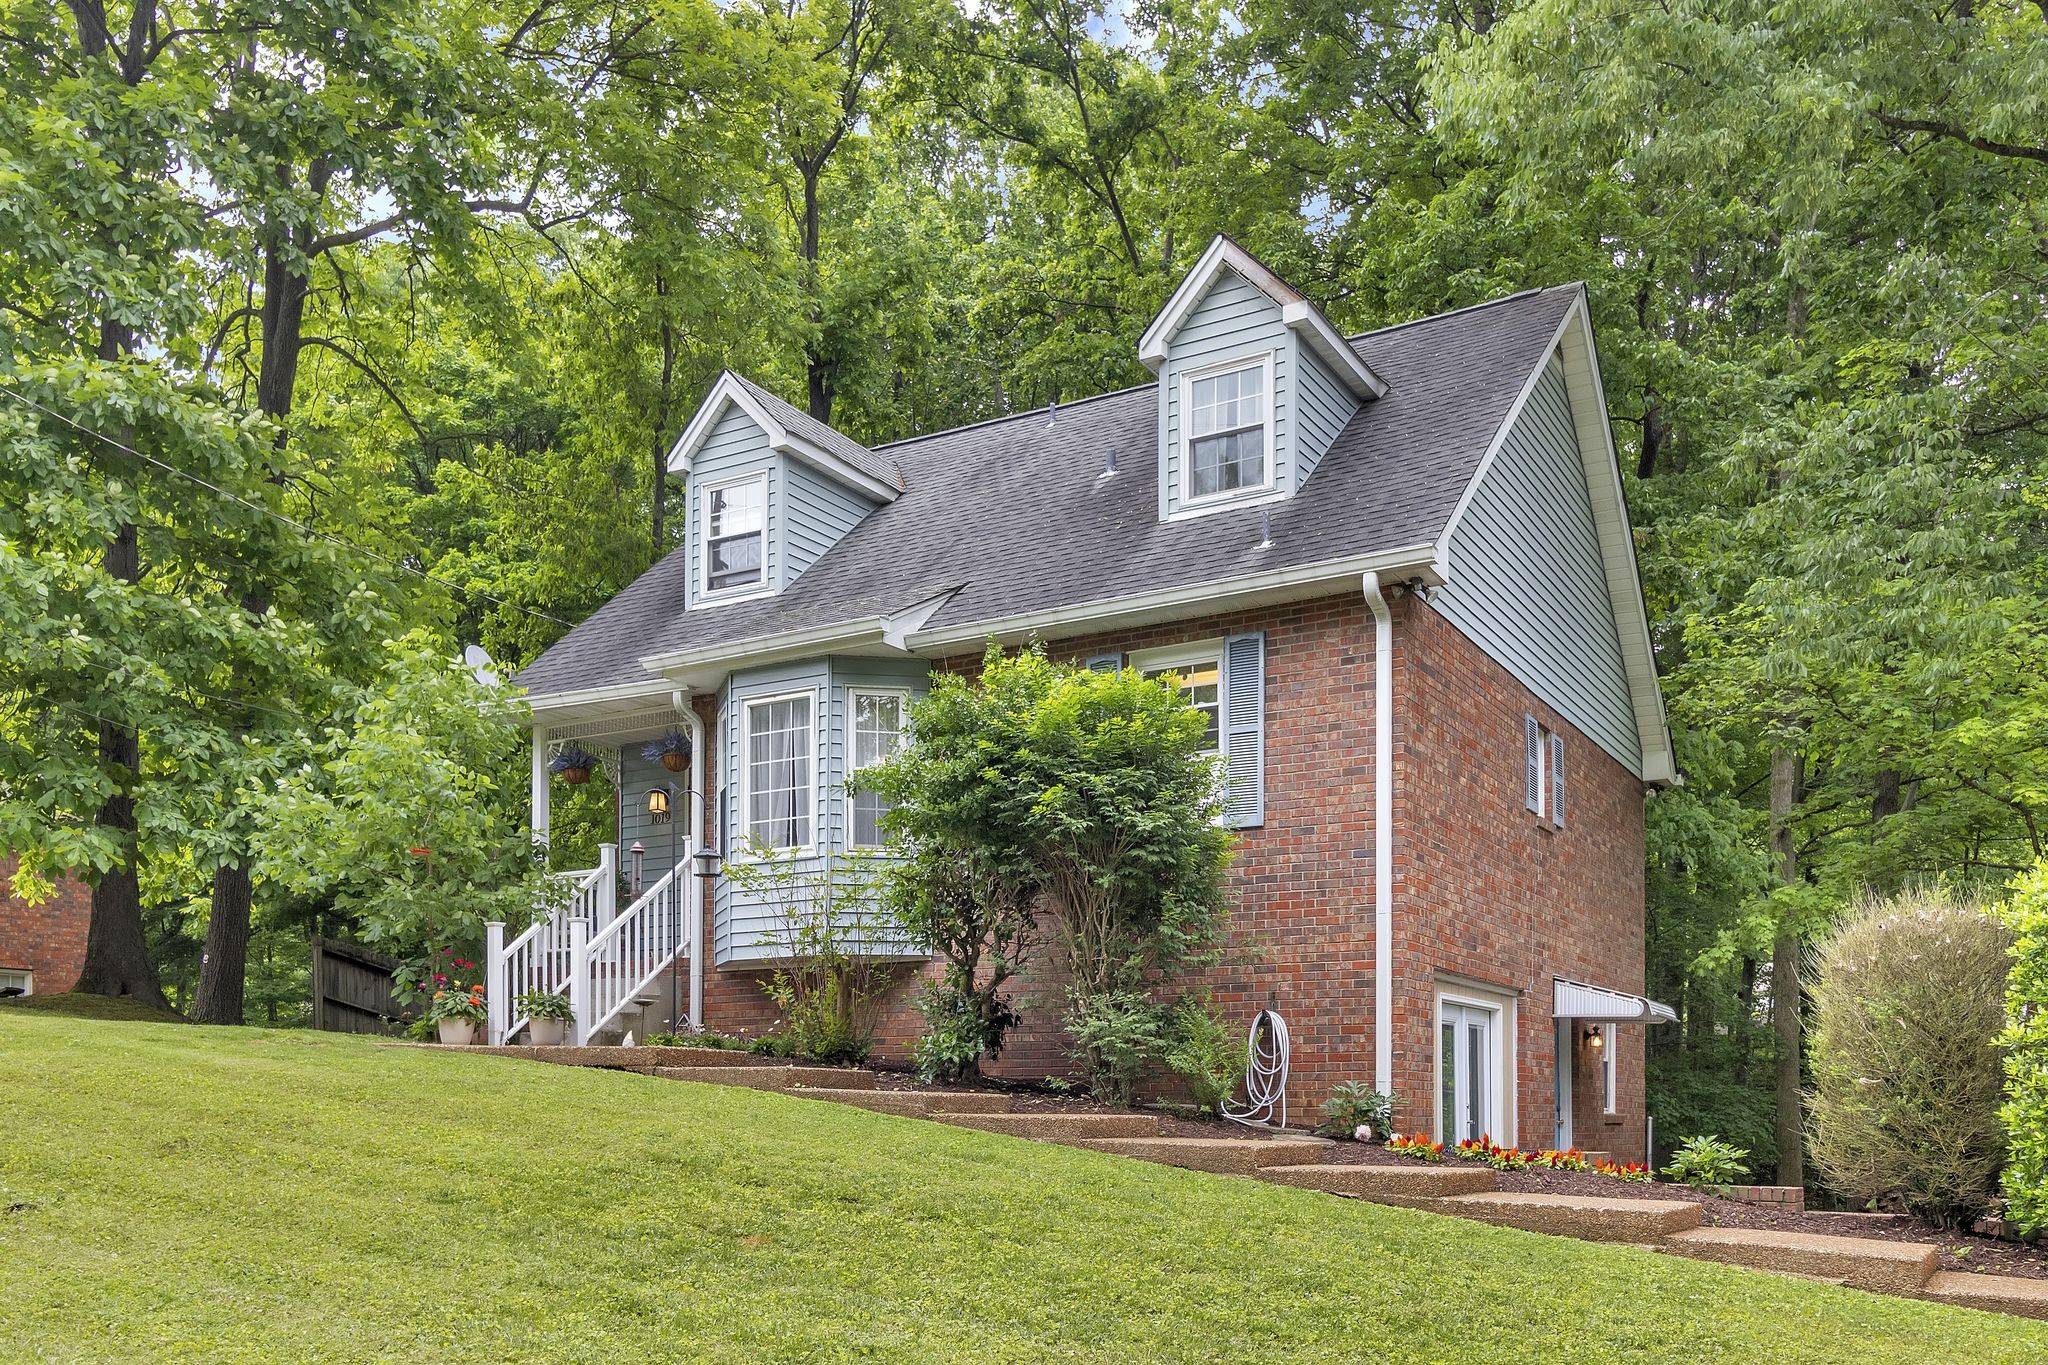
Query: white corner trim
x,y
729,389
1383,834
1297,313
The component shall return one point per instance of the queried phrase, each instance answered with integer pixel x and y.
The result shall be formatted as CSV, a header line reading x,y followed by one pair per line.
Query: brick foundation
x,y
47,938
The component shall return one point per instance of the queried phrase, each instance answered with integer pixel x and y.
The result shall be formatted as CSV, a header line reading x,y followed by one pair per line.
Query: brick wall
x,y
47,938
1482,892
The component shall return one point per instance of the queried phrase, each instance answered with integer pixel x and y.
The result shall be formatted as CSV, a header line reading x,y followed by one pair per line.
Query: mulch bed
x,y
1960,1251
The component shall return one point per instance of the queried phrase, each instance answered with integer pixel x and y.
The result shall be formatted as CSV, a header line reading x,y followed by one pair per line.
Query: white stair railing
x,y
626,956
543,957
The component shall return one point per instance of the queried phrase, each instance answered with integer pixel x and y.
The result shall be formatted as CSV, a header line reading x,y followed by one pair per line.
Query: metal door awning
x,y
1577,1000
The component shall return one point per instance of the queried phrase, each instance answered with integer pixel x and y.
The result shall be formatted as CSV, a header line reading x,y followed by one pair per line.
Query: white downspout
x,y
1383,836
539,813
694,904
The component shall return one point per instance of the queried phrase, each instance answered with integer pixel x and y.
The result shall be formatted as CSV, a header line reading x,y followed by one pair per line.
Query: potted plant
x,y
455,1012
672,751
547,1017
573,765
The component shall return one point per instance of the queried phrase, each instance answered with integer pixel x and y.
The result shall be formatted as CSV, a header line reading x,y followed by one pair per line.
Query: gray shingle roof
x,y
1014,515
805,427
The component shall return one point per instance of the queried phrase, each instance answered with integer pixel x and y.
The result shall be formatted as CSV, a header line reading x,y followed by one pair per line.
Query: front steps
x,y
1860,1262
1669,1226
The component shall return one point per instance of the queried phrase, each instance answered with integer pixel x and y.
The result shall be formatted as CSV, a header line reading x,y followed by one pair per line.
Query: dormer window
x,y
736,535
1228,446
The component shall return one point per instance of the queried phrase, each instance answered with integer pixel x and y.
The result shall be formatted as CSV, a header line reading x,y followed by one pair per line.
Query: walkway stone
x,y
1056,1127
771,1077
1994,1293
1415,1187
1864,1262
915,1104
1591,1219
1229,1156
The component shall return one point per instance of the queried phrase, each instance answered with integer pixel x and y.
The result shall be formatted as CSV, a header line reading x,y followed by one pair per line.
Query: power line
x,y
253,506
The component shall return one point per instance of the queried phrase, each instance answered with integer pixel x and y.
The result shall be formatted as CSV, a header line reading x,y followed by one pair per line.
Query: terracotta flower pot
x,y
459,1032
548,1032
575,777
675,762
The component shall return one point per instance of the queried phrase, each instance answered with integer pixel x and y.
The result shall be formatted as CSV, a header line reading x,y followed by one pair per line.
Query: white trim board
x,y
729,389
1299,316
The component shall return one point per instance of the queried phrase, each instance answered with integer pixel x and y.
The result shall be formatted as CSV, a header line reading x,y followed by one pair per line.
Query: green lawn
x,y
238,1194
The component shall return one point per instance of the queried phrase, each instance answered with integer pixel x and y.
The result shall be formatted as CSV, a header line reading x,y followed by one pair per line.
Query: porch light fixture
x,y
1595,1039
661,811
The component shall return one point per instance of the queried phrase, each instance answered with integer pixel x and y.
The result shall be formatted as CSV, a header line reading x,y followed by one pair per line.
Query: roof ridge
x,y
1468,308
1012,416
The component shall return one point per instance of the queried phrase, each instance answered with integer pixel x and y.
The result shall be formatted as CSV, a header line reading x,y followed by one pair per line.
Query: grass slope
x,y
78,1005
239,1194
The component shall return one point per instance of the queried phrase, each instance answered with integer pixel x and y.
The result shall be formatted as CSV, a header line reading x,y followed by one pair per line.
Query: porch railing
x,y
601,957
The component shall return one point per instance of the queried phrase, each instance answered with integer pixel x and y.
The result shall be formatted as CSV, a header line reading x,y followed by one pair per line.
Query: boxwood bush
x,y
1908,1007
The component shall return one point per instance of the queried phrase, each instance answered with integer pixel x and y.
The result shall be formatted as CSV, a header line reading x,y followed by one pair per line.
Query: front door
x,y
1466,1108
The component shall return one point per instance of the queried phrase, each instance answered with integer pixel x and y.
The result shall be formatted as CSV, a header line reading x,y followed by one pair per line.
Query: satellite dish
x,y
478,660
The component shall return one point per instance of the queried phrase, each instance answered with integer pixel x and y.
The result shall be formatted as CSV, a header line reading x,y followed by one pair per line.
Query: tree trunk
x,y
658,525
116,958
224,968
286,285
1786,1022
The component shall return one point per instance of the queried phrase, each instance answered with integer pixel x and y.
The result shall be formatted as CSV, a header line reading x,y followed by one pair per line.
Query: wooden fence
x,y
352,990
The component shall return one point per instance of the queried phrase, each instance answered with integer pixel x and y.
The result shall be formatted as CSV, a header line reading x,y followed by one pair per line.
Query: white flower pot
x,y
459,1032
548,1032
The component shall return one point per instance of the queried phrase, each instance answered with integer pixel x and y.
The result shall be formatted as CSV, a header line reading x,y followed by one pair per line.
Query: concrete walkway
x,y
1669,1226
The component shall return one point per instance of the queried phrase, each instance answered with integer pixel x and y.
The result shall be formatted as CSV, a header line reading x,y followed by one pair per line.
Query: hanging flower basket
x,y
573,765
672,751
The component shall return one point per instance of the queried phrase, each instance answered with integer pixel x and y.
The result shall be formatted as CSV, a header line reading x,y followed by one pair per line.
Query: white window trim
x,y
1189,503
706,594
902,733
28,978
1505,1077
1176,657
744,824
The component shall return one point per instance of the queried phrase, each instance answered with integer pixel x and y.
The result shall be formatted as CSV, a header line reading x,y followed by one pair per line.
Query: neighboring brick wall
x,y
1481,890
47,938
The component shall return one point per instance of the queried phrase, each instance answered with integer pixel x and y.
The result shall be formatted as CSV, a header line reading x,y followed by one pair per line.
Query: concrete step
x,y
1589,1218
772,1077
913,1103
1054,1127
1994,1293
1409,1186
1230,1156
630,1058
1864,1262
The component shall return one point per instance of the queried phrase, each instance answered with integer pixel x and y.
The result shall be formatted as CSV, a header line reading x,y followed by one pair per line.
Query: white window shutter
x,y
1244,730
1557,780
1104,663
1532,754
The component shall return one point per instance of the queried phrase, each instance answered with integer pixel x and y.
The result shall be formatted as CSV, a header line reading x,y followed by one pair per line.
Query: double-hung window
x,y
1199,676
875,719
736,535
1228,431
781,790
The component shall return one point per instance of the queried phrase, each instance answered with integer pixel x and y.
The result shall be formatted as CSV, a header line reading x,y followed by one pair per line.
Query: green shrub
x,y
1117,1034
1352,1103
2025,1038
709,1038
1206,1053
545,1005
961,1026
1908,1002
1708,1162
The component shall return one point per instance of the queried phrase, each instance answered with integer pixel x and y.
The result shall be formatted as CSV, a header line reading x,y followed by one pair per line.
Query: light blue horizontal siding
x,y
1528,583
817,512
747,927
1233,320
737,446
1322,408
